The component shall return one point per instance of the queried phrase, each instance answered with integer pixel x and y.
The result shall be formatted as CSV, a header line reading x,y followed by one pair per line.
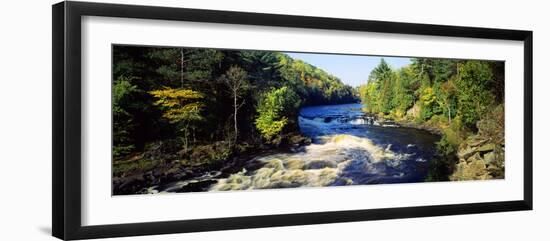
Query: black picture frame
x,y
66,128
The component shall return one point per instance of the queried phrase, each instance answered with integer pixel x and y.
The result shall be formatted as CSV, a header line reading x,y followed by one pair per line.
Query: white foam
x,y
317,165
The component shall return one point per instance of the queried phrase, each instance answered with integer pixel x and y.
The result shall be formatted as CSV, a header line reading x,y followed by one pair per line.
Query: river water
x,y
349,148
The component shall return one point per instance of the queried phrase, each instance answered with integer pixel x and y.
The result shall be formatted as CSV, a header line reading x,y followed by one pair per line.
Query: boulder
x,y
414,112
474,170
489,158
475,157
295,164
476,141
466,152
320,164
487,147
275,164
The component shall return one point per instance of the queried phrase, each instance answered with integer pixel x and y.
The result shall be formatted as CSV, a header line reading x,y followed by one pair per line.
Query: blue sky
x,y
353,70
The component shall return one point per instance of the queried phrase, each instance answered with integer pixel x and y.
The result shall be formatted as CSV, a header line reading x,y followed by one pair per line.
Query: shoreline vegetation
x,y
183,113
191,115
460,100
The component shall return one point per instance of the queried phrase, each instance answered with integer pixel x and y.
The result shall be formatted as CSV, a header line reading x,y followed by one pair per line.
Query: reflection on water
x,y
348,148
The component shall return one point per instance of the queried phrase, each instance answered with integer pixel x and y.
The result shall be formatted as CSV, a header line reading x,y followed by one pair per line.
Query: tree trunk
x,y
235,116
181,67
449,114
185,131
185,144
193,133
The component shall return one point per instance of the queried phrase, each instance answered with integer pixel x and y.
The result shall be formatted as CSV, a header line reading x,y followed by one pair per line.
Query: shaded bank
x,y
463,100
461,154
342,146
347,149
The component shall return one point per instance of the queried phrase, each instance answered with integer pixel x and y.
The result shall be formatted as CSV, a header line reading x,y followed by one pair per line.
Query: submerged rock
x,y
275,164
320,164
295,164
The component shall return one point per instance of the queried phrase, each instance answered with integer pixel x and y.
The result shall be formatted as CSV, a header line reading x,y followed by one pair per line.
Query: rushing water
x,y
348,148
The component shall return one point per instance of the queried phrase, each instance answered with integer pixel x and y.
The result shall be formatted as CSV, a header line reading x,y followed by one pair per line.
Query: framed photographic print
x,y
170,120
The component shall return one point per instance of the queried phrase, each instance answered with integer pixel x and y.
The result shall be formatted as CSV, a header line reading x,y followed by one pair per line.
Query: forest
x,y
188,108
463,100
197,119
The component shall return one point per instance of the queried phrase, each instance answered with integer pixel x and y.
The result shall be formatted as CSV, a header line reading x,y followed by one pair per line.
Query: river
x,y
349,148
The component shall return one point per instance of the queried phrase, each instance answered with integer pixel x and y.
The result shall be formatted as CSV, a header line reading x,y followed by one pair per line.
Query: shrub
x,y
274,109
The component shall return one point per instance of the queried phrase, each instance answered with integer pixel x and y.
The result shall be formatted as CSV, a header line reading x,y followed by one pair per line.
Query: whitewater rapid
x,y
349,148
317,165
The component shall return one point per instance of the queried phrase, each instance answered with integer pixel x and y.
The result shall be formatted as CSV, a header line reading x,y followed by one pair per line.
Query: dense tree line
x,y
201,96
450,88
454,96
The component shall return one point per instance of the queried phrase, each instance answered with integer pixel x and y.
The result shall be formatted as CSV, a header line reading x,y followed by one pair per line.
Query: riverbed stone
x,y
489,158
487,147
476,141
320,164
467,152
474,157
414,112
295,164
292,178
276,164
326,177
475,170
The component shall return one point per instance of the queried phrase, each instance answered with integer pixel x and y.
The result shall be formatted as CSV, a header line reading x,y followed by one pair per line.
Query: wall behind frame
x,y
25,126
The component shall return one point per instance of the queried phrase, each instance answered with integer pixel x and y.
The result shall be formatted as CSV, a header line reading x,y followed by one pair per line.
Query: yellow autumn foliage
x,y
179,104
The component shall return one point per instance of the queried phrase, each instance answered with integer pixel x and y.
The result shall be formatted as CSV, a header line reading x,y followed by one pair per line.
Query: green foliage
x,y
440,86
199,64
369,96
430,70
384,75
427,100
182,64
446,99
312,84
126,168
445,146
405,86
442,164
208,154
274,109
378,94
123,123
263,66
453,96
443,69
199,95
428,96
492,125
473,90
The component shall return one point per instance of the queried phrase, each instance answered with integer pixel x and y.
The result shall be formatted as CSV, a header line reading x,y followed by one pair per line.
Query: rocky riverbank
x,y
163,164
402,122
479,155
